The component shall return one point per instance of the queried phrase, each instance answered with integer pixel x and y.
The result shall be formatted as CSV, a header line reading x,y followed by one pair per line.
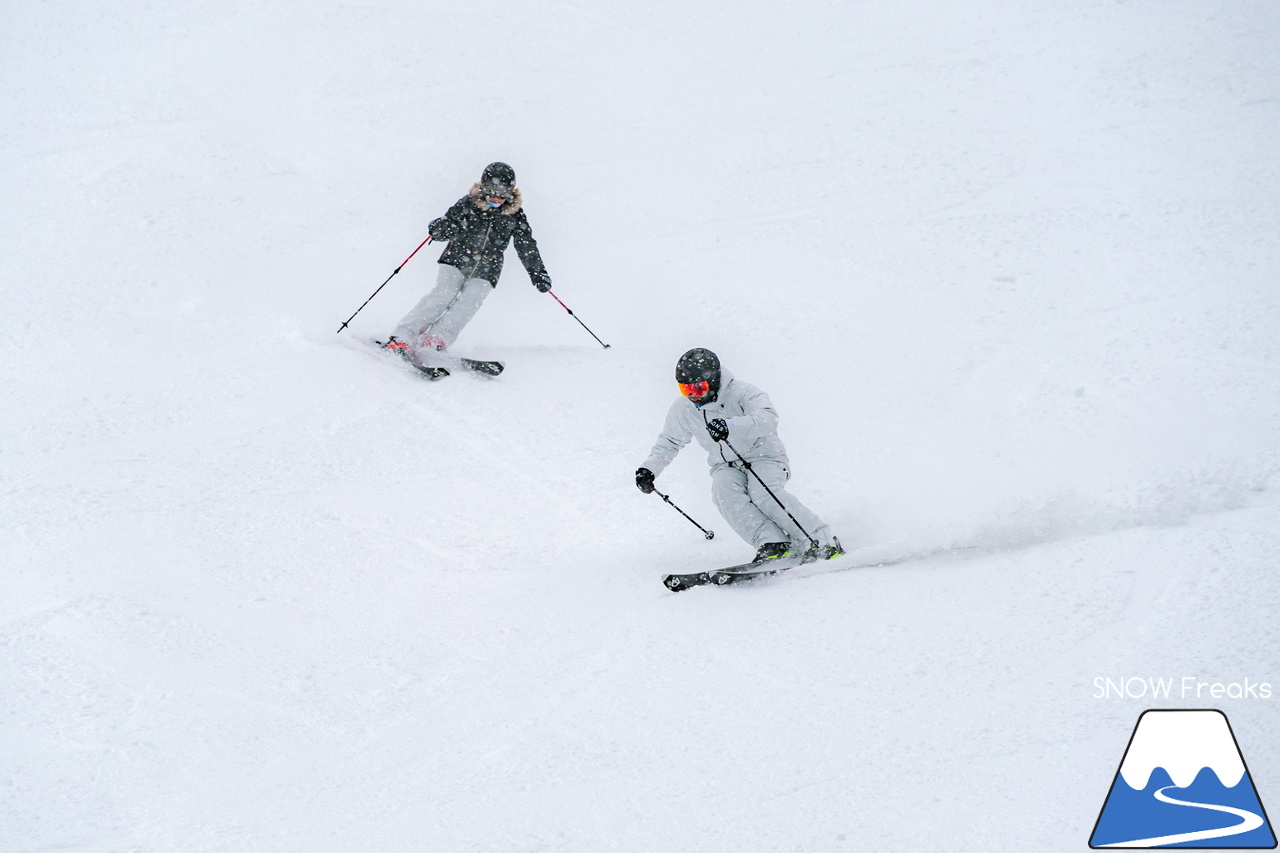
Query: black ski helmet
x,y
498,178
700,365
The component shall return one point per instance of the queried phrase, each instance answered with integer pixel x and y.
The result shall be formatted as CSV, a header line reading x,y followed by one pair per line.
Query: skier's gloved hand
x,y
542,281
644,480
718,428
442,230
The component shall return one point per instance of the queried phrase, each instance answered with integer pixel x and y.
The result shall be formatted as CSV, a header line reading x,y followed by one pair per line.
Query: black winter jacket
x,y
478,235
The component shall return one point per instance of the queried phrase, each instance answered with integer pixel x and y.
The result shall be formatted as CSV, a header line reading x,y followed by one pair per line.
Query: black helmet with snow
x,y
498,179
698,374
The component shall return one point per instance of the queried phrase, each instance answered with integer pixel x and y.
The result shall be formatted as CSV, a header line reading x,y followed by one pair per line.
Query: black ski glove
x,y
442,230
644,480
718,428
542,281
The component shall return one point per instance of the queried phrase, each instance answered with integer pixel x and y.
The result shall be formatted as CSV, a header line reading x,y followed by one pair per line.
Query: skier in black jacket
x,y
478,228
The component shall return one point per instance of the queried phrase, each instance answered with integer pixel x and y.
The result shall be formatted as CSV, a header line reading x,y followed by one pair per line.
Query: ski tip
x,y
432,373
676,583
487,368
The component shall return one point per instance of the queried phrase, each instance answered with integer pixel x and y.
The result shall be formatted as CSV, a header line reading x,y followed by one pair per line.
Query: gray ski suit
x,y
753,433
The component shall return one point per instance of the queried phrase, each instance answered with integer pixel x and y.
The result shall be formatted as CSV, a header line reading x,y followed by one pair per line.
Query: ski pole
x,y
384,284
707,533
812,542
589,332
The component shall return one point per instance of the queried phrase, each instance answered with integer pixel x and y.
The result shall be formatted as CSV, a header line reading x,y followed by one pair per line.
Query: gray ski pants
x,y
440,316
754,515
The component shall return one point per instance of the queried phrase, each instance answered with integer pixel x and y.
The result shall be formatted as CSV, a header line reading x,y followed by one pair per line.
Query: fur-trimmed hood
x,y
508,207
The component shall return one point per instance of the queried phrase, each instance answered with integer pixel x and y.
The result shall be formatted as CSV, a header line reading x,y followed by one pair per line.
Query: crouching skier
x,y
478,227
737,425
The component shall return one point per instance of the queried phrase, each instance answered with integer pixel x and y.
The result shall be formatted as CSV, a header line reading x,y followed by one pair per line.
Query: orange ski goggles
x,y
695,389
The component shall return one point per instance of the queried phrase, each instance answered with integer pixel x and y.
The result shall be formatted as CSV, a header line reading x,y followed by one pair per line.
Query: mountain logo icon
x,y
1183,783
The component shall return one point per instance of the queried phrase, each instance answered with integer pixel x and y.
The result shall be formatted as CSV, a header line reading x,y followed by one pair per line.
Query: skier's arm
x,y
527,249
674,436
760,420
450,225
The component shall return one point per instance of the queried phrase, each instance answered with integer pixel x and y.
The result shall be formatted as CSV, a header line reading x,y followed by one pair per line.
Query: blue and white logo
x,y
1183,783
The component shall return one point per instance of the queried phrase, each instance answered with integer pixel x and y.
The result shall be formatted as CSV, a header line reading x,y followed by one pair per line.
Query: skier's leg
x,y
459,313
416,326
775,475
729,493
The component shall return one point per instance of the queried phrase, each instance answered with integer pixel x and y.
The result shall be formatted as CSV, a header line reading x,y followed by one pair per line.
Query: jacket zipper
x,y
480,259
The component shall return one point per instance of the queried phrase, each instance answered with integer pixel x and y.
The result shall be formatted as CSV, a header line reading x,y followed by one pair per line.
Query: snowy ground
x,y
1008,270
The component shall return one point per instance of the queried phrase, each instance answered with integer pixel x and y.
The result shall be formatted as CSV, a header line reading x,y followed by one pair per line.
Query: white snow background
x,y
1008,270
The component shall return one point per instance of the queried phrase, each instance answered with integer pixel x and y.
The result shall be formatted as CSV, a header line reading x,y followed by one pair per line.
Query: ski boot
x,y
410,355
825,552
396,346
772,551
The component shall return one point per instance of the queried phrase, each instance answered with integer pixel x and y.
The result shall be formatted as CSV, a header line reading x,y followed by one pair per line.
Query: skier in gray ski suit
x,y
729,417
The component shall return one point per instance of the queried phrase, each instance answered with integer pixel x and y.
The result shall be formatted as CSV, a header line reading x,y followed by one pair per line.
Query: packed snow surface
x,y
1008,271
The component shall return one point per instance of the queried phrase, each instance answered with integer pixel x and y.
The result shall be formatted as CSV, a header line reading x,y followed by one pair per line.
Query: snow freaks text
x,y
1184,687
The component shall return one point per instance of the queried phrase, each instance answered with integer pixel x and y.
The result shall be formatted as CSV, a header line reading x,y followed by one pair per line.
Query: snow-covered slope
x,y
1008,271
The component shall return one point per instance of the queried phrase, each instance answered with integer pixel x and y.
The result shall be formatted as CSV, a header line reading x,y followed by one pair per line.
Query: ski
x,y
675,583
485,368
488,368
732,574
433,374
723,577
